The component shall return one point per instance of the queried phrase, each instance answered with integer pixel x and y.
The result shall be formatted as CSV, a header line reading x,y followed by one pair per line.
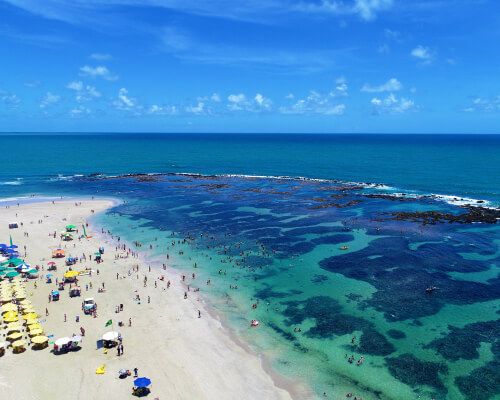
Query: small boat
x,y
344,247
431,289
254,323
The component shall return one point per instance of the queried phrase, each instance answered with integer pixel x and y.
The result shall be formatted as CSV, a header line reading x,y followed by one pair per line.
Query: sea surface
x,y
313,236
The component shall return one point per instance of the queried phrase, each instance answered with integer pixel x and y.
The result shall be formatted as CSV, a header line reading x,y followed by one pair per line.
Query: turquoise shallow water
x,y
279,241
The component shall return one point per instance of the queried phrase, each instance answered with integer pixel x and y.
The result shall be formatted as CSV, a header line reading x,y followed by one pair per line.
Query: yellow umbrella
x,y
14,336
9,307
32,327
30,321
13,327
30,315
39,339
10,314
19,343
71,274
20,295
36,332
11,319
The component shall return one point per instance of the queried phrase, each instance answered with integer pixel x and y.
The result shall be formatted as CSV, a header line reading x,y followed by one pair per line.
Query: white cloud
x,y
101,56
391,105
10,100
49,99
341,88
79,111
315,103
97,72
423,54
162,110
262,102
123,102
481,104
75,85
392,85
290,96
83,92
236,101
215,97
366,9
199,108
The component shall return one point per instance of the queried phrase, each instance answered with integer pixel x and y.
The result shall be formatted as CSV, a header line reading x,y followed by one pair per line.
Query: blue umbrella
x,y
142,382
2,245
13,246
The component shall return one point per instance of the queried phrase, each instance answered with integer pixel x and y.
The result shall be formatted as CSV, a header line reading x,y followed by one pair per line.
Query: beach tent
x,y
111,336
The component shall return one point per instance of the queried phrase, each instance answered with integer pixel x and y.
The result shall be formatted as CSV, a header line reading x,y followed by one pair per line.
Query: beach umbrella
x,y
19,343
110,336
9,307
39,339
70,227
62,341
13,327
10,314
34,326
142,382
12,246
11,319
32,271
31,321
36,332
71,274
14,336
51,263
12,274
30,315
28,310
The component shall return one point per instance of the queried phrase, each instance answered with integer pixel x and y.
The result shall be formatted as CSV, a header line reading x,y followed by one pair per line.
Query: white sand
x,y
186,357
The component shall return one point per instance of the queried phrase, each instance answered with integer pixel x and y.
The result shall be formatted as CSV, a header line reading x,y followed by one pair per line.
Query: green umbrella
x,y
12,274
70,227
32,271
15,261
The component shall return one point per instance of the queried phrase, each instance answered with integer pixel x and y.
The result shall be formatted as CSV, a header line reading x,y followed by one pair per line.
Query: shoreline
x,y
295,390
199,358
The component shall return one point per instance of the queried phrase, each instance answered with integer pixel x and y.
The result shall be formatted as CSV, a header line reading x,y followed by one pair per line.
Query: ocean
x,y
371,261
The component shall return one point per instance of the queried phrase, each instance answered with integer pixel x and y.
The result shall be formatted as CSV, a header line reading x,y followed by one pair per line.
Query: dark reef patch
x,y
463,343
401,277
481,384
396,334
412,371
373,342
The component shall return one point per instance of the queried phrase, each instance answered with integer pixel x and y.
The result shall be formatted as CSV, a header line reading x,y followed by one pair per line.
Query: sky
x,y
277,66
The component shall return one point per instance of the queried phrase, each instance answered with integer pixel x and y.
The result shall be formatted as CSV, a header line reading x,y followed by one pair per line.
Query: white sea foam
x,y
18,181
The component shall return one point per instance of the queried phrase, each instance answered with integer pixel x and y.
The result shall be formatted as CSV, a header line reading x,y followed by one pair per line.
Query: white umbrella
x,y
62,341
110,336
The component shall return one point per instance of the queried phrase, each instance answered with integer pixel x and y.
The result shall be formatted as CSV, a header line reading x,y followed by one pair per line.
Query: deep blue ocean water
x,y
331,272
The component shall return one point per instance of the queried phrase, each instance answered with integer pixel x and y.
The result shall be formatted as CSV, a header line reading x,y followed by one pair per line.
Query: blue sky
x,y
429,66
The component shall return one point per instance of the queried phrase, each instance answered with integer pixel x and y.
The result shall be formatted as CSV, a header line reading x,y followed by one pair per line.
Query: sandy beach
x,y
185,356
